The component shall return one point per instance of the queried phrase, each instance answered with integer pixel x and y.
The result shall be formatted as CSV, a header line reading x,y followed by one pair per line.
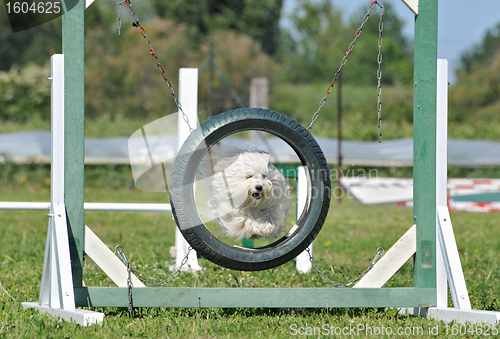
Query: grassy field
x,y
343,249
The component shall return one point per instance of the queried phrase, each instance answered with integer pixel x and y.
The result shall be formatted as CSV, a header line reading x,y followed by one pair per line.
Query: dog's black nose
x,y
258,188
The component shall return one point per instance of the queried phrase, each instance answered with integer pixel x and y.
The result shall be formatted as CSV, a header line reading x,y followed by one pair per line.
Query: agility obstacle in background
x,y
431,239
474,195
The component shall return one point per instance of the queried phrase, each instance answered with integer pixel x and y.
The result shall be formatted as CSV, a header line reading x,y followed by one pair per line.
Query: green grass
x,y
343,249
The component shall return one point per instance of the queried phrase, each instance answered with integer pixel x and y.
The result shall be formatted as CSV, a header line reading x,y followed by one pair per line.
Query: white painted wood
x,y
44,298
412,5
451,258
57,129
107,261
126,207
56,292
54,284
303,262
90,206
188,98
15,205
81,317
463,316
88,3
64,273
57,282
441,278
442,133
391,262
441,173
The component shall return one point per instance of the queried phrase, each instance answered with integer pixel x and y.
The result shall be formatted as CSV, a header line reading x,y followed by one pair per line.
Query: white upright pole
x,y
57,296
441,173
188,98
57,283
303,262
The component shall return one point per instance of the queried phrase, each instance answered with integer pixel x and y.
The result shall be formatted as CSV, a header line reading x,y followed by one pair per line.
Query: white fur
x,y
250,196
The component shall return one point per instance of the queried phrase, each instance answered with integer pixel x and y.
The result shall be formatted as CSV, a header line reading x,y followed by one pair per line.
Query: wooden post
x,y
259,90
424,143
210,110
73,43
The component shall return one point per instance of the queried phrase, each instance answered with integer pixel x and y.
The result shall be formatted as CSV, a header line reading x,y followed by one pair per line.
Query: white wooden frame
x,y
56,292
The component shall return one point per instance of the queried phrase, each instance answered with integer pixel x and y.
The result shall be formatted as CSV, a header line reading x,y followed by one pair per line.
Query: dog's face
x,y
259,185
257,168
250,196
248,179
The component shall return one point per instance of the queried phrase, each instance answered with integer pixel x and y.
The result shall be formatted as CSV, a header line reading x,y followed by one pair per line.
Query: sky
x,y
461,23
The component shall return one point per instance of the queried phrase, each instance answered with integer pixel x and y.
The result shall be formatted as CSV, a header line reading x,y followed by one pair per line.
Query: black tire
x,y
184,174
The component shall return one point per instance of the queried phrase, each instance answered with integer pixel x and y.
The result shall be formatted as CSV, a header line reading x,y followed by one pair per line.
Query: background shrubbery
x,y
124,89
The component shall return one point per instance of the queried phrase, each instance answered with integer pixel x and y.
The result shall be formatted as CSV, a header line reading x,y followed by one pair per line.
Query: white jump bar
x,y
90,206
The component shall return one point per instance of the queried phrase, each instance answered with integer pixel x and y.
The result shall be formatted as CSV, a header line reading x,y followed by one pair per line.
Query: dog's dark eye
x,y
263,175
249,176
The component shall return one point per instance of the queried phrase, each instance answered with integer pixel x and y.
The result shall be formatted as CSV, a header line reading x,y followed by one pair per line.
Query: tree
x,y
256,18
34,45
483,53
474,98
322,39
320,36
37,44
25,93
397,60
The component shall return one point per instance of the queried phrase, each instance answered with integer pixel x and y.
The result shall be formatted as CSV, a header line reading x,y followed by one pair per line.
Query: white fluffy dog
x,y
250,196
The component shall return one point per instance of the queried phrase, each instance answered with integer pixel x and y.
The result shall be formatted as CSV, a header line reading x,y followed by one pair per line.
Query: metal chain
x,y
136,23
344,61
129,285
119,20
119,251
379,75
380,252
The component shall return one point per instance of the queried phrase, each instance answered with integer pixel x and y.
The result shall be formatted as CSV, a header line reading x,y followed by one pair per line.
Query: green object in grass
x,y
246,243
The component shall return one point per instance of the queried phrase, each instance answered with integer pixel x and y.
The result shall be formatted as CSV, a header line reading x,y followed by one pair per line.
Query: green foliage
x,y
25,176
25,93
35,176
124,89
122,79
256,18
323,38
397,60
34,45
475,98
482,53
359,113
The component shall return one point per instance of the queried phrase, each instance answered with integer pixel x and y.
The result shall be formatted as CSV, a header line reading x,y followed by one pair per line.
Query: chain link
x,y
119,20
136,23
119,251
129,285
344,61
379,75
380,252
